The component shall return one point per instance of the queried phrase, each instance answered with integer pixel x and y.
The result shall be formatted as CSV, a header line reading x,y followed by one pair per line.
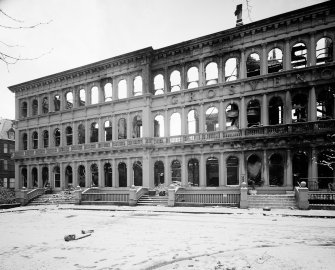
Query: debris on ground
x,y
87,231
72,237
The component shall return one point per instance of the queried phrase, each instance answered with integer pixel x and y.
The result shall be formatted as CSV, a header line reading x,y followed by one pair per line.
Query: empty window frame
x,y
137,127
122,169
25,141
212,172
175,81
122,129
57,103
276,170
94,95
176,171
299,55
159,85
212,119
45,138
94,175
299,108
35,140
231,69
275,60
24,109
192,78
45,105
108,92
35,107
57,137
81,176
108,131
175,124
57,176
324,51
254,113
159,126
108,175
138,173
253,65
254,170
212,73
82,97
69,135
276,111
138,86
122,89
68,176
94,132
192,122
232,117
81,134
232,171
69,100
193,172
159,173
325,103
34,177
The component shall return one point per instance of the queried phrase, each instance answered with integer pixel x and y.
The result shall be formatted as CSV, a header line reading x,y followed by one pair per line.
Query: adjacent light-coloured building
x,y
254,104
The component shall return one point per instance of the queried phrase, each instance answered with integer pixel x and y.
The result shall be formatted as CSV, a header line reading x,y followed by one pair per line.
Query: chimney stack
x,y
238,14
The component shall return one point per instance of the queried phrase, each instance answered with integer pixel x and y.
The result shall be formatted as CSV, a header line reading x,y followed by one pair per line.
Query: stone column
x,y
243,74
183,121
101,137
314,165
166,81
202,76
74,134
287,55
183,77
265,168
167,171
62,175
18,177
18,140
289,170
184,178
312,105
265,114
202,171
88,181
29,178
312,50
201,119
101,182
29,142
222,171
222,118
243,114
130,174
51,176
221,73
114,128
130,86
115,174
244,174
39,176
129,126
166,124
17,109
74,174
88,94
87,132
147,169
101,95
264,60
147,124
288,106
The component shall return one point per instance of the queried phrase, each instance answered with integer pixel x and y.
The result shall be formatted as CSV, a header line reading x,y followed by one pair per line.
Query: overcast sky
x,y
80,32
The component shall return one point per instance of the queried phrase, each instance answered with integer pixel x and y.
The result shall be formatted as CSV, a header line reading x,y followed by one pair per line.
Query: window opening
x,y
35,107
326,168
232,171
108,131
122,129
94,132
159,126
159,84
159,173
175,81
94,175
276,170
57,137
68,176
176,172
193,172
325,104
45,105
138,85
25,141
122,89
81,134
138,174
34,177
212,119
81,175
108,175
254,170
275,60
122,167
35,140
69,100
212,73
232,114
24,109
69,136
192,78
276,111
82,97
212,172
108,91
24,177
45,176
253,113
324,51
231,70
299,55
137,127
175,124
299,108
57,103
94,95
57,177
253,65
299,164
193,122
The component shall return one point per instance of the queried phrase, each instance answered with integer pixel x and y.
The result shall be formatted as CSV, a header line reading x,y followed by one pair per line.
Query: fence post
x,y
132,196
77,195
171,200
301,196
244,196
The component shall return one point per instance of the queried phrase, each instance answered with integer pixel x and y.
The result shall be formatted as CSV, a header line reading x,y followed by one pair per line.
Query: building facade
x,y
254,104
7,148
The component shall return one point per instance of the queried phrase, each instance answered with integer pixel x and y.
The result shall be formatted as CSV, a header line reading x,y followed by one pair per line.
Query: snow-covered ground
x,y
150,240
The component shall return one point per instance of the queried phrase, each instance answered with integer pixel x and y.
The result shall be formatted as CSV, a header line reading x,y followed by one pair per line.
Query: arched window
x,y
122,129
68,133
57,137
69,100
81,176
299,108
324,51
232,171
192,78
45,138
299,55
300,162
275,60
35,107
159,173
325,104
276,111
94,175
138,86
68,176
122,168
57,177
82,97
108,131
122,89
193,172
108,92
232,114
212,73
45,176
253,65
175,124
45,105
81,134
57,103
137,127
231,70
159,85
138,174
176,172
94,95
159,126
34,177
94,132
24,177
254,170
212,119
276,170
35,140
254,113
212,172
108,175
175,81
192,122
24,110
25,141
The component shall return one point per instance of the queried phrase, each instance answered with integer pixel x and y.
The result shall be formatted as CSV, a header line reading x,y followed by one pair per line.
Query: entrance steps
x,y
54,199
279,201
153,200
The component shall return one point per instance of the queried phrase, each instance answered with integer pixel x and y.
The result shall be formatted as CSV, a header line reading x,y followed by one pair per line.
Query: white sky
x,y
86,31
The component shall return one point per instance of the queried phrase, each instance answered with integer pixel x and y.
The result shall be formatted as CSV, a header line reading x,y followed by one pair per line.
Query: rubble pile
x,y
7,196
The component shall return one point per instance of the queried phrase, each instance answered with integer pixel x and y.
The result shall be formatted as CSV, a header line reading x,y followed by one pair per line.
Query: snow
x,y
140,238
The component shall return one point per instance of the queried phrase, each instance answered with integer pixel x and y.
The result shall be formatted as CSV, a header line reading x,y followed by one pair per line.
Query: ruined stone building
x,y
254,103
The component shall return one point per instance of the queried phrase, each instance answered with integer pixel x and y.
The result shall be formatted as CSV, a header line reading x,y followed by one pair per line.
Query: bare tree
x,y
6,56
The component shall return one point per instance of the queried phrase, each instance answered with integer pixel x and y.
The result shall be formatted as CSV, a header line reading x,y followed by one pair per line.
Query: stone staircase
x,y
279,201
153,200
54,199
